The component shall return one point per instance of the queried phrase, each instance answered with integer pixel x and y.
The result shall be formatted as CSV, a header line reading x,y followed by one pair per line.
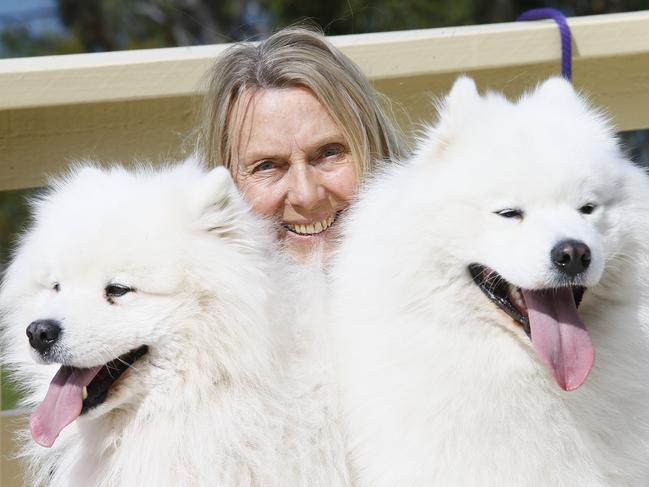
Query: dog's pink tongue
x,y
62,404
559,336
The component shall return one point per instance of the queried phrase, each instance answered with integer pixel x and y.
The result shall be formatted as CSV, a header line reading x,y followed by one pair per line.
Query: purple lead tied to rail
x,y
564,31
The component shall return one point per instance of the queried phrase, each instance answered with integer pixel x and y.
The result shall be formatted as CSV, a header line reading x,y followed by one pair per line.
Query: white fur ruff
x,y
438,386
231,392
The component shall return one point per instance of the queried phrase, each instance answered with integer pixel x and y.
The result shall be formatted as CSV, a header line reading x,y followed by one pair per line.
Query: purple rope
x,y
564,31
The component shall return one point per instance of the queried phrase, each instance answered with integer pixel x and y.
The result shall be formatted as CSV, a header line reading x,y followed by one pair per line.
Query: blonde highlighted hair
x,y
298,57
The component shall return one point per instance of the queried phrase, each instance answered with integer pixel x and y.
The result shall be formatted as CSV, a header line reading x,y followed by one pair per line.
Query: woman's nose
x,y
304,189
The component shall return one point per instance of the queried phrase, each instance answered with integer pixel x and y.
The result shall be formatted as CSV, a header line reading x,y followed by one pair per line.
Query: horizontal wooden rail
x,y
123,106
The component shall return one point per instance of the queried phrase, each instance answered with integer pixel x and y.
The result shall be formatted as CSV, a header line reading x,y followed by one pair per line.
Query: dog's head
x,y
534,201
122,275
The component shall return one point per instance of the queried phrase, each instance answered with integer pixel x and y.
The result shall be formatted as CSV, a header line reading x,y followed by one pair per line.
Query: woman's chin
x,y
303,247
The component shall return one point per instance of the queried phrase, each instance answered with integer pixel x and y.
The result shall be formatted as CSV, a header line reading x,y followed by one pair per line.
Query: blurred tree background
x,y
46,27
108,25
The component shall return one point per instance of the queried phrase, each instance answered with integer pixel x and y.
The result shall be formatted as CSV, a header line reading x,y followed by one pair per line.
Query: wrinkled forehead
x,y
250,113
267,122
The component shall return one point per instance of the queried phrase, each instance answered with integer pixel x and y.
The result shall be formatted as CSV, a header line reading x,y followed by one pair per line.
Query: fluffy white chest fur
x,y
450,378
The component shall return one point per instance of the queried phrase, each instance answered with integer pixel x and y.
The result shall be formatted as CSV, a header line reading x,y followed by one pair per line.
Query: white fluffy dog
x,y
463,359
155,295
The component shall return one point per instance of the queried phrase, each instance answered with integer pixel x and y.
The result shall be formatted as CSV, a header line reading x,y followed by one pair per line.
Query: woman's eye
x,y
332,151
587,209
117,290
510,213
263,166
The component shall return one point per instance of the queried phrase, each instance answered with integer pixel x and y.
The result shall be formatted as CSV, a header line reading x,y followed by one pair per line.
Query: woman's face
x,y
293,164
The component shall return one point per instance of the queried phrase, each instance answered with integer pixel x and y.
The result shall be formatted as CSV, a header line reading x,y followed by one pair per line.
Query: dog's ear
x,y
460,103
556,90
558,94
221,209
463,94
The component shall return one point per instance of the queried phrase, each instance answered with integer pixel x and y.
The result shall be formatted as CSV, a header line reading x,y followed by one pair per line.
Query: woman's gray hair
x,y
297,57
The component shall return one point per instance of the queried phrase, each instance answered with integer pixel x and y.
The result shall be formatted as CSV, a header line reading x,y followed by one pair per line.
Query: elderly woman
x,y
299,126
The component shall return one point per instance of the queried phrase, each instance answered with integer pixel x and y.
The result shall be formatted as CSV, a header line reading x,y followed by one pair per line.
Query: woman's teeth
x,y
311,228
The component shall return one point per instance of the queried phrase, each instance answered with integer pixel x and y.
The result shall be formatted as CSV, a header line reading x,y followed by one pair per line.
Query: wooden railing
x,y
124,106
129,105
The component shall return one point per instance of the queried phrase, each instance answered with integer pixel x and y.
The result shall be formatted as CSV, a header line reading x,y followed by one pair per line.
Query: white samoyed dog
x,y
489,303
153,297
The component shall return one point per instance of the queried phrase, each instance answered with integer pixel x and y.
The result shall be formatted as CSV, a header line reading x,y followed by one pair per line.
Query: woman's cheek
x,y
265,198
342,181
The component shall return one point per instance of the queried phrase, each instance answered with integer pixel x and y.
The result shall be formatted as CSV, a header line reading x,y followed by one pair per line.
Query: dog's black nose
x,y
571,257
43,334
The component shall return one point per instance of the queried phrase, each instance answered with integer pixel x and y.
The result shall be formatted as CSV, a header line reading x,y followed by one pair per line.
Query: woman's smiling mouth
x,y
311,228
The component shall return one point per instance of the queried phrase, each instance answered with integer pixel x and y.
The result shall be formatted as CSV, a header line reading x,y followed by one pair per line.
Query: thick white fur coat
x,y
439,387
228,394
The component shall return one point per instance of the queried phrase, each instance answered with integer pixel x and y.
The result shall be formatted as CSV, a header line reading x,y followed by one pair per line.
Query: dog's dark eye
x,y
587,209
117,290
56,287
510,213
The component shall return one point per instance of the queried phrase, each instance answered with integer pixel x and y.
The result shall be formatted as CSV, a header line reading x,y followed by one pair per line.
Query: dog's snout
x,y
571,257
43,334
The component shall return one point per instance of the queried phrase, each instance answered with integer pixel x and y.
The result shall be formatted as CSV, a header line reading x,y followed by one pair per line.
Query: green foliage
x,y
13,216
18,42
9,396
358,16
107,25
111,25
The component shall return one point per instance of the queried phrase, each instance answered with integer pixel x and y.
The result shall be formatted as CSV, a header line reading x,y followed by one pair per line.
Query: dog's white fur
x,y
438,385
230,393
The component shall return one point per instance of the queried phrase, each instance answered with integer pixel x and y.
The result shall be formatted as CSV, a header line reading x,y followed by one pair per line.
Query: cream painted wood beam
x,y
138,104
493,46
172,72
